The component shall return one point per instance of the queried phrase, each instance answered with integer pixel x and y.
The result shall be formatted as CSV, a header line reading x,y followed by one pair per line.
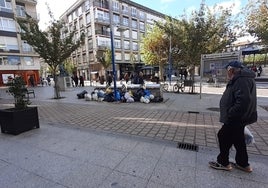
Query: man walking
x,y
237,109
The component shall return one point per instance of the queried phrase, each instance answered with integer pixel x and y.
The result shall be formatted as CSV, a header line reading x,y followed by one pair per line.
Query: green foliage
x,y
54,45
205,31
154,48
257,19
17,88
258,58
69,66
106,58
50,44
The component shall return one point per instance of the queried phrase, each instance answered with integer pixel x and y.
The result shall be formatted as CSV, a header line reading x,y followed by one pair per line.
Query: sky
x,y
173,8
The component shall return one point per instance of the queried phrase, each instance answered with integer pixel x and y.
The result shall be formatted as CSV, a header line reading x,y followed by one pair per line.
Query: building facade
x,y
16,56
95,18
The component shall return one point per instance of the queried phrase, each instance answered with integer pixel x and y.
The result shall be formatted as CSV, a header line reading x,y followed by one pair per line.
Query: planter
x,y
15,121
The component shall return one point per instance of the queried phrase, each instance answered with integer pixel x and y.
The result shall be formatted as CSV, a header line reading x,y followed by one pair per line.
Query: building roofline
x,y
79,2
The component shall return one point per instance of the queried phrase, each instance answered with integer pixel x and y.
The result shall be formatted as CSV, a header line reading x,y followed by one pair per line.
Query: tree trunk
x,y
56,86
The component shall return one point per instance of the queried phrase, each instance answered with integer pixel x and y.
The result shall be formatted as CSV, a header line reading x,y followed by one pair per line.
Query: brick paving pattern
x,y
200,129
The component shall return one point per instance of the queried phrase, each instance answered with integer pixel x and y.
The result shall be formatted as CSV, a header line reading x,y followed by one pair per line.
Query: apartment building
x,y
16,56
95,18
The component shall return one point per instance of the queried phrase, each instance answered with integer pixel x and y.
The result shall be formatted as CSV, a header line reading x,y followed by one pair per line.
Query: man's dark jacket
x,y
238,102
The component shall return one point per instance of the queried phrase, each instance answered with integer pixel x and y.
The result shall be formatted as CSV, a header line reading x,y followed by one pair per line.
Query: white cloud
x,y
57,7
235,4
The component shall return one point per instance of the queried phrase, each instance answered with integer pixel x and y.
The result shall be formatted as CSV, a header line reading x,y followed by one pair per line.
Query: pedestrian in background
x,y
109,80
237,109
81,81
126,77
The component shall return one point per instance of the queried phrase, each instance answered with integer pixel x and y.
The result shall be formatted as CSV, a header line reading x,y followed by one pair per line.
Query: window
x,y
142,15
8,43
88,18
134,24
7,24
116,19
84,57
90,44
126,45
117,43
5,4
124,9
115,6
127,57
126,34
87,5
8,4
101,15
79,11
103,42
91,56
74,15
81,23
70,18
142,27
125,21
13,60
28,61
133,11
89,33
2,3
20,10
134,35
26,47
135,46
118,56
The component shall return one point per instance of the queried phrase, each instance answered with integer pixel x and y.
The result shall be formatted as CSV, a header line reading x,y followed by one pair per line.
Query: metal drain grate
x,y
187,146
193,112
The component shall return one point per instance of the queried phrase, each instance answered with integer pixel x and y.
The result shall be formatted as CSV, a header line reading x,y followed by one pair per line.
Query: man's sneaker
x,y
219,166
245,169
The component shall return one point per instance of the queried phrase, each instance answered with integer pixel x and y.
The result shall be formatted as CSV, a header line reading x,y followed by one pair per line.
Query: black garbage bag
x,y
138,94
81,95
109,97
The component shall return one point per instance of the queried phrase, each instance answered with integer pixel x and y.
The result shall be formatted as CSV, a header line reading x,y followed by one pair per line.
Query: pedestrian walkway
x,y
98,144
59,157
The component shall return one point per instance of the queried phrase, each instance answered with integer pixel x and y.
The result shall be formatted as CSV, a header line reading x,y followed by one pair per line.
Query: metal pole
x,y
169,59
113,62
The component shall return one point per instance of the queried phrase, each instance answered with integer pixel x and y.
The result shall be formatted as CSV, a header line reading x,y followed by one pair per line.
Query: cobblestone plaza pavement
x,y
98,144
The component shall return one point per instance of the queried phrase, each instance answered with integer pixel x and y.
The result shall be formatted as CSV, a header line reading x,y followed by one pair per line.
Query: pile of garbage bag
x,y
123,95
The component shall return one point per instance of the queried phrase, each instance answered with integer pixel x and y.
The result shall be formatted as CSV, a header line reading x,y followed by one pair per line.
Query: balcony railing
x,y
101,5
22,13
100,32
102,20
2,9
27,1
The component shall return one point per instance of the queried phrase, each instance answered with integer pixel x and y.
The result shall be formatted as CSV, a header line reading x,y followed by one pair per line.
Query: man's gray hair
x,y
236,69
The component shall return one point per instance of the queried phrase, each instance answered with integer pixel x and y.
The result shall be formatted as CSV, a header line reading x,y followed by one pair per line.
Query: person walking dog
x,y
238,108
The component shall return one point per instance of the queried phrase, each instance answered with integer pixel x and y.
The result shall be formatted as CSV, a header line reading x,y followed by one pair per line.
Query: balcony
x,y
22,13
28,1
101,5
100,32
102,47
3,9
102,20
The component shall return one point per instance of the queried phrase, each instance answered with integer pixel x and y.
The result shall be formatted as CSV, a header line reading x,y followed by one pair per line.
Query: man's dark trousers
x,y
228,135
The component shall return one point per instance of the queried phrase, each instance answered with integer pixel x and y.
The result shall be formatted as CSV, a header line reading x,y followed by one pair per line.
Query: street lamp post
x,y
170,60
113,61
